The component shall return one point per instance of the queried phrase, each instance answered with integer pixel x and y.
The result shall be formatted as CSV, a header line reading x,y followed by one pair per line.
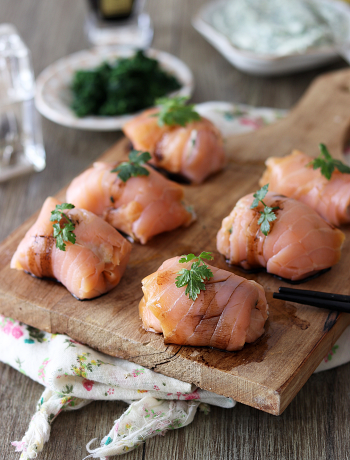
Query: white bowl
x,y
265,64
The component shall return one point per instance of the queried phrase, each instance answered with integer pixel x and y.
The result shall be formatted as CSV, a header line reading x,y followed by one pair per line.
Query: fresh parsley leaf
x,y
324,152
259,196
187,258
174,111
67,233
206,255
267,215
133,168
64,206
62,231
341,167
56,229
194,278
55,215
328,164
194,286
183,278
204,272
139,157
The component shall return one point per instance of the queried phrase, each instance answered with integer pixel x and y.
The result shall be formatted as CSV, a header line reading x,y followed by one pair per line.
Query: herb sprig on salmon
x,y
63,229
194,277
327,164
133,167
174,111
267,214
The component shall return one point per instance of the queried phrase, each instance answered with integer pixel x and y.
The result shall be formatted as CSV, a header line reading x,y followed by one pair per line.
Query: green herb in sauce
x,y
279,27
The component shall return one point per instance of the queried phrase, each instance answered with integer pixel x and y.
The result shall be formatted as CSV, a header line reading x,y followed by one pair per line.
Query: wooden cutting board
x,y
266,374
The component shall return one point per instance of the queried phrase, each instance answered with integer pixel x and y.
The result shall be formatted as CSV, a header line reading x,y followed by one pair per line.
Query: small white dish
x,y
264,64
53,95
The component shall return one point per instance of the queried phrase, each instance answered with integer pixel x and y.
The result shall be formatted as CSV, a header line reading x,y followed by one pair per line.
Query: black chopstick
x,y
314,294
329,304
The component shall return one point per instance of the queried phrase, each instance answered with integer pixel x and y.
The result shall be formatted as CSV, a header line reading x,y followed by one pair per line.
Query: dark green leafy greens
x,y
63,228
133,168
129,85
267,214
194,278
174,111
328,164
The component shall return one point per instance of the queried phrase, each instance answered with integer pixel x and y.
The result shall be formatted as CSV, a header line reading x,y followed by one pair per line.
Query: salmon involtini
x,y
89,262
227,312
191,147
294,177
142,206
284,236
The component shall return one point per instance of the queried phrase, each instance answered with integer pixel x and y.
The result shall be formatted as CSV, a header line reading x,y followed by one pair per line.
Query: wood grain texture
x,y
265,374
316,424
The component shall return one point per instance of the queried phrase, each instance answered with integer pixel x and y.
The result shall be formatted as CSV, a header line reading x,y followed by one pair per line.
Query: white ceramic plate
x,y
53,94
264,65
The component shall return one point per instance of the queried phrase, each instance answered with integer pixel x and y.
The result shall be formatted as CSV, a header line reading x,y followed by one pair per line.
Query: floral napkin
x,y
74,374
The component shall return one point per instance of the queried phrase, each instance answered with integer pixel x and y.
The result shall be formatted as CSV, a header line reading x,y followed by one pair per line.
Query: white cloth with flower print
x,y
75,375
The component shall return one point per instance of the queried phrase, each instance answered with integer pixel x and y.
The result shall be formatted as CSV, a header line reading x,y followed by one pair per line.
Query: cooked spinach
x,y
129,85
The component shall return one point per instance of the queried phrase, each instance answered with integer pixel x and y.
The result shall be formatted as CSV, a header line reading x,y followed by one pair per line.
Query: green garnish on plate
x,y
267,214
62,231
194,278
126,86
133,167
174,111
327,163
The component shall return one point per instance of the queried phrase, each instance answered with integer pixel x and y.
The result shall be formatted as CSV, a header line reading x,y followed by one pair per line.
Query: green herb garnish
x,y
174,111
267,215
328,164
133,168
126,86
194,277
62,231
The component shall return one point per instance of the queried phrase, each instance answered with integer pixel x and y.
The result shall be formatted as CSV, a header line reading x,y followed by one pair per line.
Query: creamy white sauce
x,y
279,27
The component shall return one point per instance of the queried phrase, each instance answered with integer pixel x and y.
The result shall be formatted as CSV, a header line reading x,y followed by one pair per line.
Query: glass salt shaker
x,y
21,142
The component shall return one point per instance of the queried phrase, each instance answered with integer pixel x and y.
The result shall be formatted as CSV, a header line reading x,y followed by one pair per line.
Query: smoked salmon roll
x,y
299,244
195,151
141,207
228,313
92,266
291,177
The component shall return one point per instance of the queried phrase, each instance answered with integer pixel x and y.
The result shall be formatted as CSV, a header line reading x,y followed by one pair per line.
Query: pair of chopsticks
x,y
335,302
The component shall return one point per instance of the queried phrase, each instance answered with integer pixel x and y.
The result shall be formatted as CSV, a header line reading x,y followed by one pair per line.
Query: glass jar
x,y
21,143
118,22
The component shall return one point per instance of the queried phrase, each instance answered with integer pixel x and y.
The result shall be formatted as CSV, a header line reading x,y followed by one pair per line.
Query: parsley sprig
x,y
174,111
194,278
62,231
327,163
133,168
267,215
